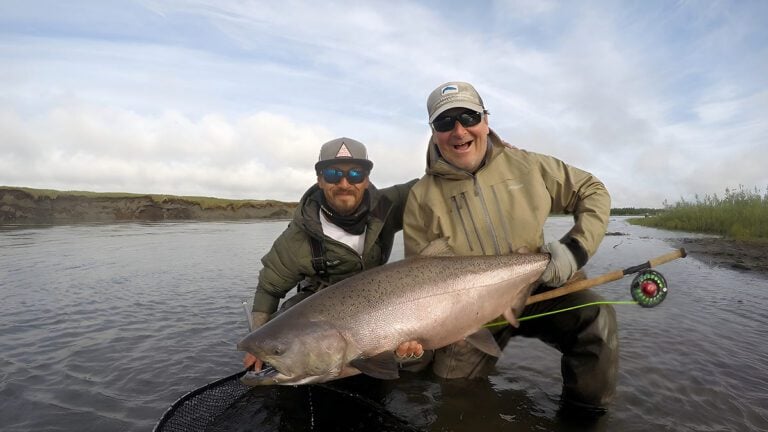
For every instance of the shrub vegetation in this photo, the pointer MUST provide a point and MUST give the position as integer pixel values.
(740, 214)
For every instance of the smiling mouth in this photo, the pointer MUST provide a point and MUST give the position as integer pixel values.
(463, 147)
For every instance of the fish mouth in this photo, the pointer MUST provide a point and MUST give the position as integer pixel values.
(270, 375)
(266, 376)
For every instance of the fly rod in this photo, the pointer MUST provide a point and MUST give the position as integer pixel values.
(651, 287)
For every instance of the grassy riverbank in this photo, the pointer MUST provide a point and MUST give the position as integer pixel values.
(740, 214)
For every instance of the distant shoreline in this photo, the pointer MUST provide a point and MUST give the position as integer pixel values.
(27, 206)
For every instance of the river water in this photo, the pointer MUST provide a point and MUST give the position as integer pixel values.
(102, 327)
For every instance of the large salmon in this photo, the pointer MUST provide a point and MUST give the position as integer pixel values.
(355, 325)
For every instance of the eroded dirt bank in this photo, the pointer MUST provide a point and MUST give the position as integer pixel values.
(21, 207)
(740, 255)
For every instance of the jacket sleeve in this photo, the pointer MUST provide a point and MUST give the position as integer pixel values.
(281, 272)
(398, 195)
(415, 231)
(581, 194)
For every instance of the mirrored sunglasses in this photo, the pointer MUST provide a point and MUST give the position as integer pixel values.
(467, 118)
(353, 176)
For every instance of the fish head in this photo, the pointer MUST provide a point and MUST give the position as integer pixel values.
(295, 352)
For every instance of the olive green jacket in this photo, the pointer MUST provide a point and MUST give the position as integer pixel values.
(503, 206)
(290, 259)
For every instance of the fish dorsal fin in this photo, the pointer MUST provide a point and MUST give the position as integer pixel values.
(381, 366)
(484, 341)
(438, 247)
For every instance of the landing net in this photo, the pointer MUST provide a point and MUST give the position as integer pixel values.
(229, 405)
(196, 410)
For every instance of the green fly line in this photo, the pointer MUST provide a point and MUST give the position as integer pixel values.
(530, 317)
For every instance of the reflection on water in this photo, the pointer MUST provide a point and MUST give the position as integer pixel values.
(102, 327)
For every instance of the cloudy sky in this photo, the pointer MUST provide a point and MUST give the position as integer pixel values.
(232, 99)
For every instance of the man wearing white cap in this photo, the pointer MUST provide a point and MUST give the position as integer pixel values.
(489, 198)
(343, 225)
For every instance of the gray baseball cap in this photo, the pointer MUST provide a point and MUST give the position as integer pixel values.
(454, 94)
(343, 150)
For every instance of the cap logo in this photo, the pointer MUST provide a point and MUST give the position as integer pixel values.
(343, 152)
(449, 89)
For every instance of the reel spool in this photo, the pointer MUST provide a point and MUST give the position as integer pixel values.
(649, 288)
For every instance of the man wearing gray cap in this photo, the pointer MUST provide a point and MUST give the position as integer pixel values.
(489, 198)
(343, 225)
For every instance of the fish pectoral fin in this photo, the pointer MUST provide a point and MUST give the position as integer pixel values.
(509, 315)
(484, 341)
(381, 366)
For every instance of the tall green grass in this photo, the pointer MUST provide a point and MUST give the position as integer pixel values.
(740, 214)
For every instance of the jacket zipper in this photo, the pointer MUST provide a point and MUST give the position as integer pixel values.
(488, 221)
(472, 221)
(463, 223)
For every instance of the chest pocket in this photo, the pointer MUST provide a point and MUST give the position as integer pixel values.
(489, 218)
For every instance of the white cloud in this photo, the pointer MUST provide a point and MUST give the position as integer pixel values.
(259, 155)
(233, 99)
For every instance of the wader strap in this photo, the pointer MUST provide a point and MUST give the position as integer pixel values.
(318, 256)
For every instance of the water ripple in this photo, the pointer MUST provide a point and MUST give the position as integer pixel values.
(103, 326)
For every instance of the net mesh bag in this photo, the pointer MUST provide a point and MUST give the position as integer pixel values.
(196, 410)
(228, 405)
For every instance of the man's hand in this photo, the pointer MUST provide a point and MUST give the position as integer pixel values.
(250, 361)
(258, 319)
(409, 350)
(562, 264)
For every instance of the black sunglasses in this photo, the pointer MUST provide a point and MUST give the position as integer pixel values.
(334, 175)
(467, 118)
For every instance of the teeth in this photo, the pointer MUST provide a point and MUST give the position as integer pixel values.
(266, 370)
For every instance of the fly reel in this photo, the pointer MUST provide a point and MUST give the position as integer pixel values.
(649, 288)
